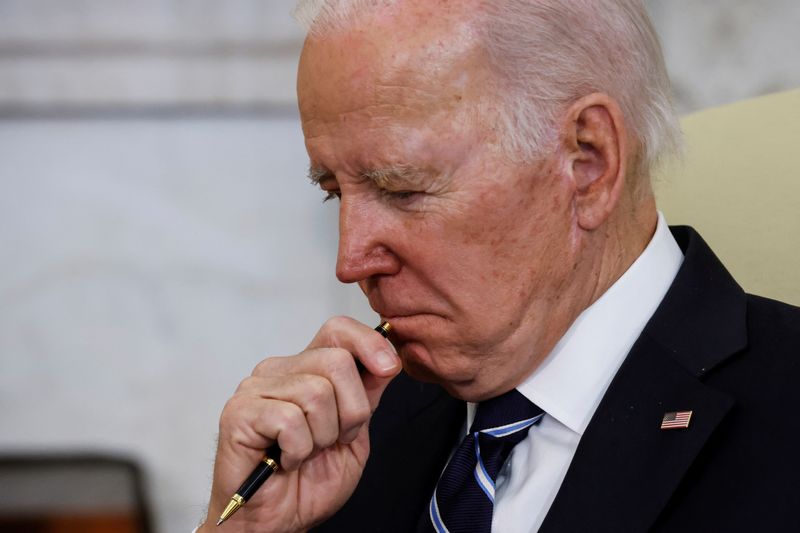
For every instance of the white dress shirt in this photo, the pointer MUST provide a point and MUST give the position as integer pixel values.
(572, 380)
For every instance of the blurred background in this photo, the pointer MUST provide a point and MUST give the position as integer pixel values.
(158, 236)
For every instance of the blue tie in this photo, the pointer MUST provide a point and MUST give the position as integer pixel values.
(463, 500)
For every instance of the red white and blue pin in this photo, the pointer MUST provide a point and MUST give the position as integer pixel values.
(676, 420)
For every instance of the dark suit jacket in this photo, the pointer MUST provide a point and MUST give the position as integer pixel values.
(731, 358)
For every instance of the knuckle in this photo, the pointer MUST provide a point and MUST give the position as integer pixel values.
(319, 392)
(336, 323)
(338, 361)
(289, 417)
(246, 384)
(264, 367)
(294, 434)
(232, 406)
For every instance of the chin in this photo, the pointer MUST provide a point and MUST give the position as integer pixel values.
(418, 363)
(420, 372)
(456, 374)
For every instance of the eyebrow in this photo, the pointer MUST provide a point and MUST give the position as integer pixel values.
(382, 177)
(402, 173)
(317, 174)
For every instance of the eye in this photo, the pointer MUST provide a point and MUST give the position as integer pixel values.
(399, 195)
(403, 195)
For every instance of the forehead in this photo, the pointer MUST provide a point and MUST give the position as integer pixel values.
(399, 61)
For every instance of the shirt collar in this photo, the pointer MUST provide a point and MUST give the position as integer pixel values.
(569, 384)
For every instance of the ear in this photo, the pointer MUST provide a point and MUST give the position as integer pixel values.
(595, 139)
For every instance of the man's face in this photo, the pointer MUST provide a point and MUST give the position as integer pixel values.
(467, 255)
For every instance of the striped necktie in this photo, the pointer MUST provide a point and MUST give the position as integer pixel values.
(463, 500)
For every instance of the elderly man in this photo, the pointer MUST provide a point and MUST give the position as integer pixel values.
(564, 362)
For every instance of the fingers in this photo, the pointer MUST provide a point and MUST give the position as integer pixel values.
(313, 395)
(338, 367)
(370, 347)
(377, 355)
(317, 398)
(354, 341)
(269, 421)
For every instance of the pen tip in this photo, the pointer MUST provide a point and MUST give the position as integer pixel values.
(219, 521)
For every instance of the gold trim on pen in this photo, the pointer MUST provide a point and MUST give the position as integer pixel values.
(385, 328)
(233, 506)
(271, 463)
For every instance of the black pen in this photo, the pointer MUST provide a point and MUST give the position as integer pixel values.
(271, 461)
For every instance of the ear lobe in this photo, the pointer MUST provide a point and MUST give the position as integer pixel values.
(596, 139)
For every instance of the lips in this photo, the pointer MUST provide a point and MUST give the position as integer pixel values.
(394, 310)
(389, 308)
(402, 325)
(404, 321)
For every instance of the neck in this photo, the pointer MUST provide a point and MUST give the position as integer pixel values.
(618, 243)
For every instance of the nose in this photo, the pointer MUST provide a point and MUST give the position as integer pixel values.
(364, 234)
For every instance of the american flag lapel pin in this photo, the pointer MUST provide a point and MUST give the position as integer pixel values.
(676, 420)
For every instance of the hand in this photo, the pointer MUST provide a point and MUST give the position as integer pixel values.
(317, 407)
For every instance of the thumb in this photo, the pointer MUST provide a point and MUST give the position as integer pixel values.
(375, 385)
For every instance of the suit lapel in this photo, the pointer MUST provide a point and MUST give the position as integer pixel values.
(424, 429)
(626, 468)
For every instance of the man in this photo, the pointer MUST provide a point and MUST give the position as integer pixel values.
(491, 160)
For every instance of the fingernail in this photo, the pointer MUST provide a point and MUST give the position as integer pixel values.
(385, 360)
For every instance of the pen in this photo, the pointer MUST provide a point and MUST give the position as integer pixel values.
(271, 461)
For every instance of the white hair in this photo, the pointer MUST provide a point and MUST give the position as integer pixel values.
(546, 54)
(320, 16)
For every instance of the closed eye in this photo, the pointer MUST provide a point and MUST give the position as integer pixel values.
(399, 195)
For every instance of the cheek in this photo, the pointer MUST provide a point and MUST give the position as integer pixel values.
(504, 223)
(516, 239)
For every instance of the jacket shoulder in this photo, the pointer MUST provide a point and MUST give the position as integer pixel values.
(768, 316)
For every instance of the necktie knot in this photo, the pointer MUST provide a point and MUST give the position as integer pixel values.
(505, 415)
(500, 424)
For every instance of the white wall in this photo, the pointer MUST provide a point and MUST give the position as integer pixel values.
(148, 52)
(722, 51)
(242, 53)
(146, 267)
(146, 264)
